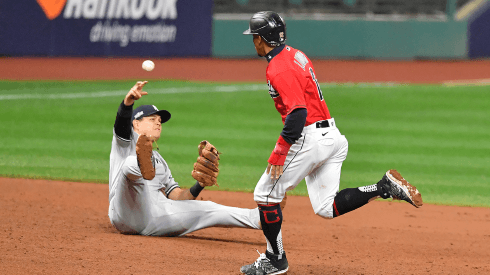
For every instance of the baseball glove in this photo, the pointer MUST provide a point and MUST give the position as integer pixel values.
(206, 169)
(144, 148)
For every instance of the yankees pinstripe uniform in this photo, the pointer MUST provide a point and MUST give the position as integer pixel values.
(140, 206)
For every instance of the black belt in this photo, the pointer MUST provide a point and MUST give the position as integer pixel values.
(322, 124)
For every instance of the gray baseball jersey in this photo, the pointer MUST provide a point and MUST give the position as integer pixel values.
(139, 206)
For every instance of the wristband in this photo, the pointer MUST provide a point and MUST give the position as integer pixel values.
(280, 152)
(196, 189)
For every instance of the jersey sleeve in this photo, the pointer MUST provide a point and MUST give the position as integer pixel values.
(163, 180)
(131, 169)
(170, 186)
(121, 148)
(168, 182)
(289, 87)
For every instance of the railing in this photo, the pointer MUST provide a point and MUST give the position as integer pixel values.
(411, 8)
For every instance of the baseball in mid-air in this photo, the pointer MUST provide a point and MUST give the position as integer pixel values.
(148, 65)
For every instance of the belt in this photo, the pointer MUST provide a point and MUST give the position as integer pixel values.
(325, 123)
(329, 123)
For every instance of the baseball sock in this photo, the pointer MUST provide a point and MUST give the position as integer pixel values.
(352, 198)
(271, 220)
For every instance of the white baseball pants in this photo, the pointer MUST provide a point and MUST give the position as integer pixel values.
(316, 157)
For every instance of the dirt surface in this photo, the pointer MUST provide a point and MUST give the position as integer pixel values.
(226, 70)
(52, 227)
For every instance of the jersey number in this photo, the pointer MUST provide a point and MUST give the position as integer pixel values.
(320, 94)
(302, 61)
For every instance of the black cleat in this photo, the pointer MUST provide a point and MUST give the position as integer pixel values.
(393, 185)
(267, 264)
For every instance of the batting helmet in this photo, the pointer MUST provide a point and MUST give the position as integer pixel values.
(270, 26)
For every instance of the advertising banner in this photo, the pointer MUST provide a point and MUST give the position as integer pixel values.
(479, 33)
(106, 27)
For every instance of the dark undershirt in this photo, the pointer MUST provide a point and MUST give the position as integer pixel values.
(122, 126)
(294, 124)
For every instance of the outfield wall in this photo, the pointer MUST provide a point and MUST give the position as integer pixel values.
(353, 39)
(479, 32)
(106, 28)
(178, 28)
(462, 34)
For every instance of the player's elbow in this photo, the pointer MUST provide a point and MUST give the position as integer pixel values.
(131, 169)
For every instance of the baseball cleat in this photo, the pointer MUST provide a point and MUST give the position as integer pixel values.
(393, 185)
(144, 148)
(267, 264)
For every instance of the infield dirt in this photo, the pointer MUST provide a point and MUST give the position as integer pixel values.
(53, 227)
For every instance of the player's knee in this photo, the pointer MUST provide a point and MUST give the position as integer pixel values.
(260, 199)
(265, 198)
(325, 212)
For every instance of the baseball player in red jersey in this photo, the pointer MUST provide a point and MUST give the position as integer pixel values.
(309, 147)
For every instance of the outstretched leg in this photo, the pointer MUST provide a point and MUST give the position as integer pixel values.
(177, 218)
(392, 185)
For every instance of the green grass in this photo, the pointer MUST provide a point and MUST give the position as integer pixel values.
(437, 137)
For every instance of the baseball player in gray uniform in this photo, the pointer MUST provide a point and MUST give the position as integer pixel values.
(157, 206)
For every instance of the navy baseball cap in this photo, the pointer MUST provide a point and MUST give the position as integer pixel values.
(147, 110)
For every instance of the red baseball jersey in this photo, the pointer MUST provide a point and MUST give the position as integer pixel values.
(293, 84)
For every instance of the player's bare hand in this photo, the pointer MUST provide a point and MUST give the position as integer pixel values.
(274, 170)
(135, 93)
